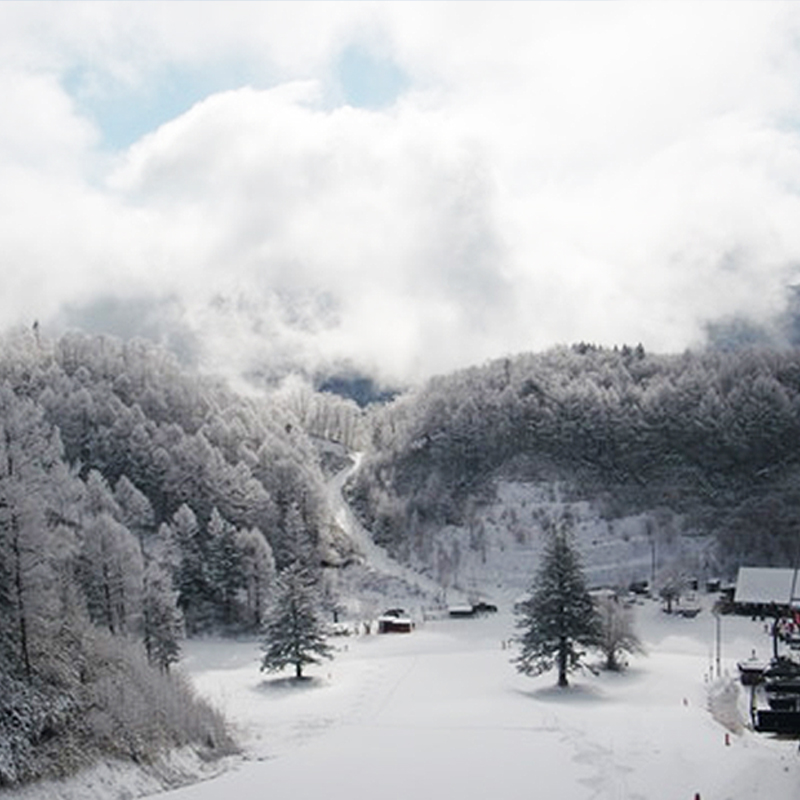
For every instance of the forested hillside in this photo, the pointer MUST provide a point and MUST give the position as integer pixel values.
(710, 436)
(137, 504)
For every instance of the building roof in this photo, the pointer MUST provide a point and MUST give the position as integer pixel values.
(762, 585)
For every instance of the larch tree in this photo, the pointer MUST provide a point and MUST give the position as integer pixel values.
(258, 573)
(99, 499)
(559, 619)
(296, 543)
(162, 620)
(111, 572)
(192, 582)
(225, 564)
(294, 631)
(34, 539)
(136, 511)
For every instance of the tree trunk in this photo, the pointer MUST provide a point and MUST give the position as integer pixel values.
(562, 662)
(22, 619)
(298, 670)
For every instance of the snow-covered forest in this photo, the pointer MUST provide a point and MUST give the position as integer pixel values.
(138, 505)
(141, 504)
(705, 443)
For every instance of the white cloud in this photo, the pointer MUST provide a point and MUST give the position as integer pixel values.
(555, 172)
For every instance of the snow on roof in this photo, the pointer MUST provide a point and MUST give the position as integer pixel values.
(767, 585)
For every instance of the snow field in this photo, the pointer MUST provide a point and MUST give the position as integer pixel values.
(442, 713)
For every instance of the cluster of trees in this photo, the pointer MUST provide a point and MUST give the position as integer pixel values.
(77, 597)
(184, 478)
(137, 505)
(712, 436)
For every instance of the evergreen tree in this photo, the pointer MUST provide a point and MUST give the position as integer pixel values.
(559, 618)
(192, 579)
(225, 565)
(294, 632)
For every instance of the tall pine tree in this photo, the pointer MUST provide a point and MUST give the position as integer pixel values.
(559, 618)
(294, 632)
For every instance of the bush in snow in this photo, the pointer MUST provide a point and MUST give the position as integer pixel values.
(110, 702)
(617, 635)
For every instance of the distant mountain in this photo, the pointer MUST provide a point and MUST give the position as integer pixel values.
(351, 385)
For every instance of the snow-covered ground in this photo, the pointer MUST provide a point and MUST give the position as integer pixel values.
(442, 713)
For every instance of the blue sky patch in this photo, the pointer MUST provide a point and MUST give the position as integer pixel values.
(125, 113)
(369, 81)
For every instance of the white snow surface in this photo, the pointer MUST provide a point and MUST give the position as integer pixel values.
(442, 712)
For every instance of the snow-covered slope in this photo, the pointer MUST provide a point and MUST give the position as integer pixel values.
(500, 545)
(375, 580)
(495, 553)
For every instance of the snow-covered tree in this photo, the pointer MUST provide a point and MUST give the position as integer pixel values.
(294, 631)
(671, 583)
(225, 564)
(192, 571)
(617, 634)
(99, 498)
(258, 573)
(296, 543)
(162, 620)
(559, 618)
(111, 568)
(35, 537)
(165, 549)
(136, 510)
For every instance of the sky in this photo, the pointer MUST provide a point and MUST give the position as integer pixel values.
(401, 188)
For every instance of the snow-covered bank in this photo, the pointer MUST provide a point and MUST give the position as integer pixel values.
(110, 780)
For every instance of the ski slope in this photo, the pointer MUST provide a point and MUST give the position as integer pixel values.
(442, 713)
